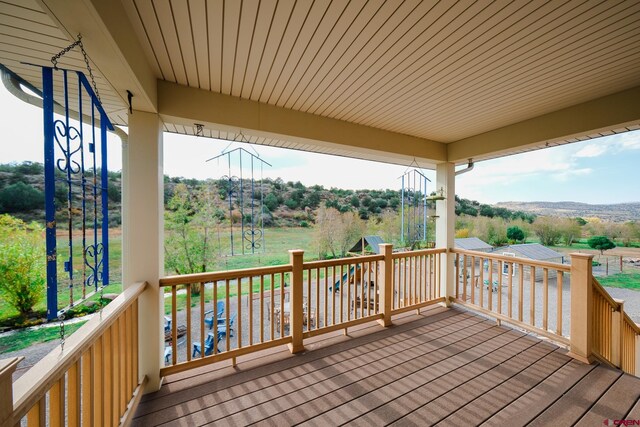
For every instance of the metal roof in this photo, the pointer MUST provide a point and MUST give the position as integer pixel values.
(530, 250)
(373, 241)
(472, 244)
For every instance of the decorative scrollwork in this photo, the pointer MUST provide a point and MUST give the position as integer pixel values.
(93, 255)
(252, 238)
(62, 133)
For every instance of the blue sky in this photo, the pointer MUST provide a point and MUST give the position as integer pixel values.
(605, 170)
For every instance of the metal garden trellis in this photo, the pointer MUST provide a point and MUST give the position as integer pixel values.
(65, 148)
(413, 222)
(252, 237)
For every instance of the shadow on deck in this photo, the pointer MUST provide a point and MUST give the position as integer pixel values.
(445, 366)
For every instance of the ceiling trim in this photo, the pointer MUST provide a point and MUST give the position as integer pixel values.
(619, 110)
(185, 106)
(111, 44)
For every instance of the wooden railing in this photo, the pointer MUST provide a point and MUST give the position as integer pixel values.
(529, 294)
(271, 306)
(615, 335)
(416, 279)
(253, 302)
(93, 380)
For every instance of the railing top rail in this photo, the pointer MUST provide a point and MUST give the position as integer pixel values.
(30, 387)
(341, 261)
(223, 275)
(528, 262)
(420, 252)
(603, 292)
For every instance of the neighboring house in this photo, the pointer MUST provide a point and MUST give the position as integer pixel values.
(472, 244)
(532, 251)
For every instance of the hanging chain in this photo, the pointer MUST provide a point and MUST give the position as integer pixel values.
(54, 61)
(62, 335)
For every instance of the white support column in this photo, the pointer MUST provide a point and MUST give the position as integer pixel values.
(445, 225)
(143, 237)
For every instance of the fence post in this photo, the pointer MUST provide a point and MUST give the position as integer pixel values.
(296, 301)
(7, 367)
(386, 290)
(617, 326)
(581, 307)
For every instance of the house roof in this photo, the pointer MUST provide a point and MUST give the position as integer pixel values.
(373, 241)
(391, 81)
(534, 251)
(472, 244)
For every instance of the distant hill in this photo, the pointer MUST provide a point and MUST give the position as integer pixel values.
(619, 212)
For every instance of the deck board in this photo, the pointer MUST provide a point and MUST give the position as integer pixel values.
(445, 366)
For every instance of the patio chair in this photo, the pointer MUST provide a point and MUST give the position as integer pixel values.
(220, 316)
(208, 346)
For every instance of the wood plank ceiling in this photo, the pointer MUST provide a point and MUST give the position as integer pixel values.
(440, 70)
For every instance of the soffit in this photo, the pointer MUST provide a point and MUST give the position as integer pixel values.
(438, 70)
(29, 36)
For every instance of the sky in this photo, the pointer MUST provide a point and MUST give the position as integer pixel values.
(600, 171)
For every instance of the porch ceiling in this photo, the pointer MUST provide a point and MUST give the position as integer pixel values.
(446, 80)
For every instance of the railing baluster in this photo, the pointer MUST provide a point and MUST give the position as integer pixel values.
(111, 389)
(559, 306)
(473, 280)
(227, 309)
(56, 404)
(532, 297)
(36, 416)
(250, 310)
(500, 266)
(262, 308)
(238, 321)
(510, 290)
(481, 284)
(87, 402)
(74, 395)
(520, 291)
(272, 306)
(282, 295)
(122, 368)
(174, 325)
(97, 382)
(202, 324)
(214, 289)
(188, 309)
(490, 285)
(545, 299)
(308, 313)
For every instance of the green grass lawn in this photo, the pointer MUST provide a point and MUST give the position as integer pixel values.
(622, 280)
(27, 337)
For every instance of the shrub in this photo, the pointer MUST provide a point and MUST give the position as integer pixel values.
(22, 281)
(20, 197)
(601, 243)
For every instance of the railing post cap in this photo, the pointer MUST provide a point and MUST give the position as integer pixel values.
(296, 251)
(581, 255)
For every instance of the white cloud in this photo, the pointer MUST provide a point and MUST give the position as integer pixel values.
(564, 176)
(592, 150)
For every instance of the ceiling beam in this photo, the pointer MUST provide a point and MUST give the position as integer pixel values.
(111, 44)
(609, 112)
(185, 106)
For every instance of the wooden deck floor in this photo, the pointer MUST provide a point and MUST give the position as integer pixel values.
(444, 367)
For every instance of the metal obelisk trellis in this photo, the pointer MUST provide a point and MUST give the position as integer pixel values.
(252, 230)
(413, 211)
(75, 154)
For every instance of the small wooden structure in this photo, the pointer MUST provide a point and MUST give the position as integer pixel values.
(373, 242)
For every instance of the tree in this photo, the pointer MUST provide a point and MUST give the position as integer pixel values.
(350, 230)
(601, 243)
(271, 202)
(22, 281)
(547, 231)
(515, 233)
(569, 230)
(191, 220)
(20, 197)
(327, 224)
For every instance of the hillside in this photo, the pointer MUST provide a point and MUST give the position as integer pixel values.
(286, 203)
(620, 212)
